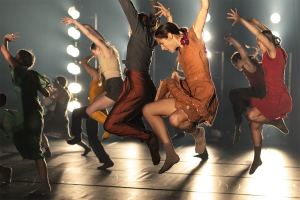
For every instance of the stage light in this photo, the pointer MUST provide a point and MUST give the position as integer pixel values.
(208, 54)
(75, 14)
(74, 33)
(72, 105)
(73, 51)
(73, 69)
(275, 18)
(276, 33)
(206, 36)
(208, 18)
(74, 88)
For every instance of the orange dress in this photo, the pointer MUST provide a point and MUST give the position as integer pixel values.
(196, 95)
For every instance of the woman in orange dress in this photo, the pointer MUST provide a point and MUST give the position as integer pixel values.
(192, 102)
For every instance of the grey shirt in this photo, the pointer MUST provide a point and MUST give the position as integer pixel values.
(141, 43)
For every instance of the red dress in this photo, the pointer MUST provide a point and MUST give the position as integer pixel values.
(277, 102)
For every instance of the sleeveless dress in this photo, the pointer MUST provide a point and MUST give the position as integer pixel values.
(196, 95)
(277, 103)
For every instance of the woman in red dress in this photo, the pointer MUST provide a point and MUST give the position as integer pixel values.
(277, 103)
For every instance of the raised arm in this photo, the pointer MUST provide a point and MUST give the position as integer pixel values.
(201, 18)
(258, 24)
(163, 11)
(89, 69)
(130, 12)
(243, 52)
(236, 18)
(5, 52)
(92, 34)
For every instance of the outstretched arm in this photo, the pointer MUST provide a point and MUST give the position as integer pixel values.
(201, 18)
(90, 70)
(163, 11)
(130, 12)
(5, 52)
(244, 54)
(92, 34)
(258, 24)
(236, 18)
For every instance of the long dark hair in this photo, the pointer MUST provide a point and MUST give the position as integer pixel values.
(272, 38)
(163, 30)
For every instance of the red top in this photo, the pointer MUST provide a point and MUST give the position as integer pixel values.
(277, 102)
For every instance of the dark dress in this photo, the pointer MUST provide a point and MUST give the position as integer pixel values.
(27, 136)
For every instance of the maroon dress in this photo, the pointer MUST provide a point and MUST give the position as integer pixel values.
(277, 102)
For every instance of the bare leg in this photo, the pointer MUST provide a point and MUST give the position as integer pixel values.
(153, 112)
(45, 144)
(45, 188)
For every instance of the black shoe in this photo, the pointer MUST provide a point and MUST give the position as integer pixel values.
(73, 141)
(86, 151)
(106, 165)
(153, 146)
(203, 156)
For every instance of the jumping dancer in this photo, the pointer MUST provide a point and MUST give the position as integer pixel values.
(125, 119)
(194, 101)
(277, 103)
(109, 65)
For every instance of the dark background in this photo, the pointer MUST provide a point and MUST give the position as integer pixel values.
(38, 22)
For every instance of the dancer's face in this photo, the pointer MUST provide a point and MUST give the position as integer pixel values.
(168, 44)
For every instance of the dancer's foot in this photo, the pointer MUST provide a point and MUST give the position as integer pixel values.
(7, 175)
(105, 135)
(200, 141)
(169, 162)
(47, 153)
(86, 151)
(75, 140)
(41, 191)
(280, 125)
(203, 156)
(236, 135)
(106, 165)
(256, 163)
(153, 146)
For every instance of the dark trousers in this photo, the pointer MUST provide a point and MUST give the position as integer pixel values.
(240, 100)
(125, 119)
(91, 130)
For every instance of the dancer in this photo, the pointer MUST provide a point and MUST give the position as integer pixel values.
(194, 101)
(97, 86)
(7, 121)
(109, 66)
(28, 82)
(125, 119)
(57, 121)
(277, 103)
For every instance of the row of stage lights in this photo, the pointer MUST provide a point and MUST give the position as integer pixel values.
(72, 67)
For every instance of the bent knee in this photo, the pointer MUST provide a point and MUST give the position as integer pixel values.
(174, 121)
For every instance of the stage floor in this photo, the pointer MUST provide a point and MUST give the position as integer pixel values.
(223, 176)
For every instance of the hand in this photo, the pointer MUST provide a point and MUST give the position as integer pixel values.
(162, 11)
(86, 59)
(68, 20)
(228, 38)
(234, 16)
(11, 37)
